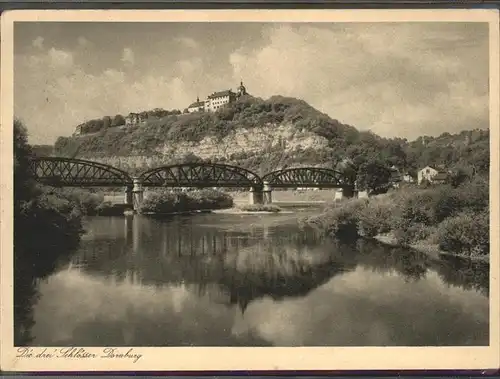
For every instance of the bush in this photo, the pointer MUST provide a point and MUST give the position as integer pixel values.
(413, 233)
(170, 202)
(475, 194)
(414, 208)
(45, 229)
(447, 202)
(341, 221)
(87, 201)
(466, 233)
(375, 217)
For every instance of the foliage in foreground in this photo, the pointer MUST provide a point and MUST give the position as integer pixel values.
(46, 225)
(47, 229)
(457, 219)
(466, 232)
(90, 203)
(171, 202)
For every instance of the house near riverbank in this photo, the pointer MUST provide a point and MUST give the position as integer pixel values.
(432, 175)
(397, 177)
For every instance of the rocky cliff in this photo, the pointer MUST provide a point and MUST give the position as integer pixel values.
(255, 133)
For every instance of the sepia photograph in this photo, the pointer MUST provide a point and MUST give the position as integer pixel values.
(216, 180)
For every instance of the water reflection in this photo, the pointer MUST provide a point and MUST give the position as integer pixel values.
(240, 266)
(232, 281)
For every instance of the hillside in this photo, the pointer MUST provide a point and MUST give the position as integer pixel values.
(263, 135)
(42, 150)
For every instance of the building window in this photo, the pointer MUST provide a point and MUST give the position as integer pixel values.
(427, 171)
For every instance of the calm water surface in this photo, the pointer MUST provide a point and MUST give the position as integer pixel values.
(253, 280)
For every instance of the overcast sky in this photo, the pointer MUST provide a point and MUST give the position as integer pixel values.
(396, 79)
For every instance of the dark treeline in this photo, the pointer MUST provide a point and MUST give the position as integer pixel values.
(47, 230)
(96, 125)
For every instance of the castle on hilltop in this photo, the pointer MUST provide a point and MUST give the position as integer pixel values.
(217, 100)
(213, 102)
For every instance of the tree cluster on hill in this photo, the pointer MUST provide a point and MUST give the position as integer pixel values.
(100, 124)
(42, 150)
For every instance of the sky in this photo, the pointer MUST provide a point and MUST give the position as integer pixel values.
(395, 79)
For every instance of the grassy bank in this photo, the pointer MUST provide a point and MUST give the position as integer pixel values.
(438, 219)
(167, 202)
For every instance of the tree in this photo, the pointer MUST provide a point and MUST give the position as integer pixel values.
(118, 120)
(373, 176)
(23, 181)
(106, 122)
(458, 176)
(47, 229)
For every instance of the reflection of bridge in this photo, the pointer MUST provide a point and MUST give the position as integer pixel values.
(71, 172)
(229, 266)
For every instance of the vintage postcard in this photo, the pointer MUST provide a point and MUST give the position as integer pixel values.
(249, 190)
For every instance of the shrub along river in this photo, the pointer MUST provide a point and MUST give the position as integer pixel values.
(253, 280)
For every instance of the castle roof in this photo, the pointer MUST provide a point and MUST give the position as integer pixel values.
(227, 92)
(197, 104)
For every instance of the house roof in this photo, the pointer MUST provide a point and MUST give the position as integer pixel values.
(197, 104)
(440, 176)
(227, 92)
(396, 176)
(434, 168)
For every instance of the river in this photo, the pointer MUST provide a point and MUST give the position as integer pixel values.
(253, 280)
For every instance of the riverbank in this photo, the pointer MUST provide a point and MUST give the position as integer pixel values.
(438, 221)
(292, 196)
(239, 211)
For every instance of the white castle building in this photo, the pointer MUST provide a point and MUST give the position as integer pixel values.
(217, 100)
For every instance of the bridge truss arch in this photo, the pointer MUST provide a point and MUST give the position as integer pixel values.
(70, 172)
(200, 175)
(307, 177)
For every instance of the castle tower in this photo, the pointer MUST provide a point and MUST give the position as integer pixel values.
(241, 89)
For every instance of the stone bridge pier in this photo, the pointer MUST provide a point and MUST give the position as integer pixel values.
(261, 195)
(137, 193)
(129, 200)
(344, 192)
(134, 194)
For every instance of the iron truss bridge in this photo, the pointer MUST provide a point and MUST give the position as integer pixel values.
(69, 172)
(200, 175)
(307, 177)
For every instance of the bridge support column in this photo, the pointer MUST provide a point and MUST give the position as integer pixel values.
(137, 193)
(256, 196)
(339, 194)
(267, 193)
(129, 196)
(348, 191)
